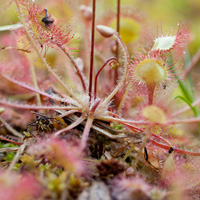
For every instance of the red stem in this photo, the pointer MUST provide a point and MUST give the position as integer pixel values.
(163, 146)
(96, 77)
(11, 139)
(118, 25)
(78, 71)
(92, 48)
(161, 138)
(117, 45)
(151, 88)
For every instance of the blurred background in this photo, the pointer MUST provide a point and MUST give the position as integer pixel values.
(169, 12)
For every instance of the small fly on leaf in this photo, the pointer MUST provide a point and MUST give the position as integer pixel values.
(46, 19)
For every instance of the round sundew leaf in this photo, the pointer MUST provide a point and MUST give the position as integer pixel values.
(150, 71)
(154, 114)
(164, 43)
(130, 29)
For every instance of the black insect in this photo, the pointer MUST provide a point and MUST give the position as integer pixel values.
(164, 87)
(146, 157)
(46, 19)
(171, 150)
(42, 123)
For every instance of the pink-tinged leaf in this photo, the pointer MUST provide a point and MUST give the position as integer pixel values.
(18, 187)
(60, 153)
(53, 96)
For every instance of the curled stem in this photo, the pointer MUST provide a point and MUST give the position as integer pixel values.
(96, 77)
(126, 64)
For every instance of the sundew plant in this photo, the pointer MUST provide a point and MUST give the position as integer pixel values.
(97, 101)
